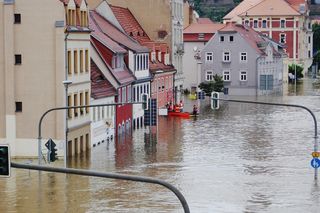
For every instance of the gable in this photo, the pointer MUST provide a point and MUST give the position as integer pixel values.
(270, 8)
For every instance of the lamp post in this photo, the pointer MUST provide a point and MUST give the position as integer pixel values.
(66, 85)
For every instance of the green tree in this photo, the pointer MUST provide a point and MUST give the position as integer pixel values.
(298, 68)
(215, 85)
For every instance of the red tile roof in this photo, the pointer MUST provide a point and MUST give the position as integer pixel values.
(203, 28)
(204, 21)
(123, 76)
(116, 35)
(271, 8)
(129, 23)
(265, 7)
(100, 86)
(132, 27)
(104, 39)
(251, 36)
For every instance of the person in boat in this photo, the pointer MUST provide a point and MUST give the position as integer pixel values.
(195, 110)
(180, 106)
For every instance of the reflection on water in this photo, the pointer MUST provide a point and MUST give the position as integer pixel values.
(240, 158)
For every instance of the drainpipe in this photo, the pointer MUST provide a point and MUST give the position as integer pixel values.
(66, 83)
(257, 77)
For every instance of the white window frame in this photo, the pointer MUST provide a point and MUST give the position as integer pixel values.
(247, 23)
(264, 20)
(231, 36)
(246, 57)
(243, 75)
(226, 75)
(209, 77)
(285, 38)
(208, 56)
(255, 21)
(221, 36)
(224, 55)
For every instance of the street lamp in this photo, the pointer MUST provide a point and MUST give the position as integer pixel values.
(66, 84)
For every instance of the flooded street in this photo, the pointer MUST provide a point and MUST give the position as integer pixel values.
(240, 158)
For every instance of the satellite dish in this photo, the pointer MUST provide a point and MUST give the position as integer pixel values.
(195, 48)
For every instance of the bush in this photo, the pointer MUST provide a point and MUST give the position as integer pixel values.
(215, 85)
(298, 68)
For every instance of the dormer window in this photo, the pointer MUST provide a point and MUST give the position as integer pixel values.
(71, 17)
(83, 19)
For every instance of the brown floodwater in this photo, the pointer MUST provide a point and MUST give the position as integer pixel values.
(240, 158)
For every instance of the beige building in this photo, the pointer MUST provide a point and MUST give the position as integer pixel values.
(37, 37)
(163, 21)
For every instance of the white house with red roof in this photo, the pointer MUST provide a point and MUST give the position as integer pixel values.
(136, 58)
(285, 21)
(103, 118)
(250, 63)
(109, 57)
(195, 37)
(161, 70)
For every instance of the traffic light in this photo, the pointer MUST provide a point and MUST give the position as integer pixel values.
(52, 151)
(145, 100)
(214, 100)
(4, 161)
(53, 154)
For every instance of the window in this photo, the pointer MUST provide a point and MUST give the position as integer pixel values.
(17, 18)
(266, 82)
(243, 76)
(87, 60)
(209, 57)
(129, 93)
(282, 23)
(264, 23)
(75, 103)
(75, 61)
(71, 17)
(69, 63)
(87, 101)
(81, 61)
(83, 18)
(201, 36)
(226, 56)
(226, 75)
(81, 103)
(282, 38)
(221, 38)
(309, 54)
(209, 75)
(17, 59)
(123, 96)
(231, 38)
(243, 57)
(309, 39)
(69, 104)
(18, 106)
(255, 24)
(247, 23)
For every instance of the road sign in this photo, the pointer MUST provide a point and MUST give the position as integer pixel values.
(315, 154)
(201, 95)
(315, 163)
(150, 118)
